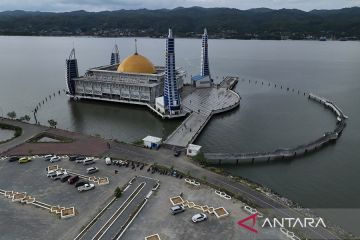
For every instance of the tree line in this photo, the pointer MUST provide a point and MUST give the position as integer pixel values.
(261, 23)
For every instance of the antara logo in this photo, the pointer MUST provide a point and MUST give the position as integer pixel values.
(281, 223)
(294, 222)
(253, 218)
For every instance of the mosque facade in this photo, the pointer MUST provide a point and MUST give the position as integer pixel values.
(134, 80)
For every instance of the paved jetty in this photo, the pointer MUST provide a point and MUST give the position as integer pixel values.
(203, 103)
(327, 138)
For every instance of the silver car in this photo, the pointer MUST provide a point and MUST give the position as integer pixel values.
(92, 170)
(86, 187)
(55, 159)
(177, 209)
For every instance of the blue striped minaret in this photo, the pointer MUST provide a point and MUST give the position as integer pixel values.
(71, 72)
(205, 71)
(115, 57)
(171, 94)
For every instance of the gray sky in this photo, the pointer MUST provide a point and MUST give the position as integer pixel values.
(99, 5)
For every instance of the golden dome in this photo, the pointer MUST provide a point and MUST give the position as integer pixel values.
(136, 64)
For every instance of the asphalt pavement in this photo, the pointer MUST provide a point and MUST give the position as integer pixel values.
(165, 157)
(28, 132)
(114, 219)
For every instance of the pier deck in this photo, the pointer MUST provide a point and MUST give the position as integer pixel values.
(202, 103)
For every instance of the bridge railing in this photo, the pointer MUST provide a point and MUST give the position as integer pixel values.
(329, 137)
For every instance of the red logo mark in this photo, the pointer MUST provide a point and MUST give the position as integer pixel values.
(253, 218)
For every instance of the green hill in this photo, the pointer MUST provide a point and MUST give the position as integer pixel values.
(262, 23)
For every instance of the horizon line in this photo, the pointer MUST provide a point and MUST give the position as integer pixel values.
(171, 9)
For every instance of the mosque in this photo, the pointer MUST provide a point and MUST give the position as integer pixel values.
(135, 80)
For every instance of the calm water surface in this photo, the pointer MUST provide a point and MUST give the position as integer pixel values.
(269, 118)
(6, 134)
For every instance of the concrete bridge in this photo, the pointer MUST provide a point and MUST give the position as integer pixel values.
(281, 154)
(203, 103)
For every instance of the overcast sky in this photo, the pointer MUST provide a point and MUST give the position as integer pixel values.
(99, 5)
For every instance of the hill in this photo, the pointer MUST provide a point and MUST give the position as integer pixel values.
(261, 23)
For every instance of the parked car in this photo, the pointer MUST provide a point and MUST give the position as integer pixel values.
(65, 177)
(80, 159)
(13, 159)
(88, 161)
(108, 161)
(199, 217)
(86, 187)
(73, 158)
(80, 183)
(92, 170)
(55, 159)
(48, 157)
(58, 175)
(24, 160)
(73, 179)
(177, 153)
(177, 209)
(51, 173)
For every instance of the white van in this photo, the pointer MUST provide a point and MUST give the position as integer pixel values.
(108, 161)
(88, 161)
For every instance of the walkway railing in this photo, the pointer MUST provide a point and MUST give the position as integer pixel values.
(327, 138)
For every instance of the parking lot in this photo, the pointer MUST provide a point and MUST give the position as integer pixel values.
(156, 216)
(19, 221)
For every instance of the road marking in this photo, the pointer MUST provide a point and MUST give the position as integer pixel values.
(132, 197)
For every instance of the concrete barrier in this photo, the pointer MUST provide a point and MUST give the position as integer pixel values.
(285, 154)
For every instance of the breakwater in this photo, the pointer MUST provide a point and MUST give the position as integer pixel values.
(287, 153)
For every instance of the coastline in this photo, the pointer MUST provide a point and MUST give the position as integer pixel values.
(215, 179)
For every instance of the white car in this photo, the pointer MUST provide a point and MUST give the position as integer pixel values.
(48, 157)
(55, 159)
(80, 159)
(59, 174)
(56, 174)
(51, 173)
(86, 187)
(199, 217)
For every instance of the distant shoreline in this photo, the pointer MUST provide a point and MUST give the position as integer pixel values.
(180, 37)
(221, 23)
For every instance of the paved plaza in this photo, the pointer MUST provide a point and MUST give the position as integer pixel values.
(202, 104)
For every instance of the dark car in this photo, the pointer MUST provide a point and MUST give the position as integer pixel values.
(177, 153)
(65, 178)
(73, 158)
(13, 159)
(81, 183)
(73, 179)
